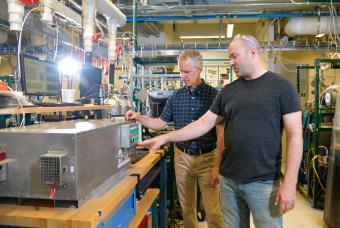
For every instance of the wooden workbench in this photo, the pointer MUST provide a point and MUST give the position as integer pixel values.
(34, 109)
(91, 213)
(145, 165)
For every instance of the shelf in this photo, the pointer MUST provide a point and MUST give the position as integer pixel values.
(326, 127)
(143, 206)
(7, 161)
(16, 110)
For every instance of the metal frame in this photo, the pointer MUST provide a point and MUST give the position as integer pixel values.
(315, 188)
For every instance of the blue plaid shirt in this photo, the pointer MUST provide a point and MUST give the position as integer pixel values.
(184, 107)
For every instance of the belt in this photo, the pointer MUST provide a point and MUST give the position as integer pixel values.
(195, 152)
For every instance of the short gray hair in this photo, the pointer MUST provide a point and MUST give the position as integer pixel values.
(195, 56)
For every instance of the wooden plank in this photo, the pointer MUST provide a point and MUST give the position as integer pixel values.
(17, 110)
(143, 206)
(143, 166)
(86, 216)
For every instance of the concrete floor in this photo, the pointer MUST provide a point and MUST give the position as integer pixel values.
(303, 215)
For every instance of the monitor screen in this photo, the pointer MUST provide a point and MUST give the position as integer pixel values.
(157, 101)
(90, 82)
(40, 78)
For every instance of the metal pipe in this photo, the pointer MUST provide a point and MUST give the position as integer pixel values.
(135, 30)
(78, 7)
(108, 9)
(204, 17)
(88, 24)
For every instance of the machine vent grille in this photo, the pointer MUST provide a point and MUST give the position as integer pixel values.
(52, 170)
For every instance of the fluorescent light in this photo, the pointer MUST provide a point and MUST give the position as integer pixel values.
(320, 35)
(201, 37)
(230, 29)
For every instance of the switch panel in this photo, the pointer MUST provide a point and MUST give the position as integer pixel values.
(129, 135)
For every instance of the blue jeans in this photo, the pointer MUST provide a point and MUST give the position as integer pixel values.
(238, 200)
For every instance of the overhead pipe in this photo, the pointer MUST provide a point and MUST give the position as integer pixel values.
(16, 12)
(115, 18)
(204, 17)
(109, 10)
(312, 26)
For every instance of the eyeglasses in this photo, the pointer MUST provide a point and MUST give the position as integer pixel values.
(246, 38)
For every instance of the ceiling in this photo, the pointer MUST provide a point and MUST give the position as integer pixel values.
(164, 8)
(161, 23)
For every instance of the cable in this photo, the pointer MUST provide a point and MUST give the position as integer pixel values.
(21, 107)
(323, 147)
(56, 45)
(19, 43)
(316, 173)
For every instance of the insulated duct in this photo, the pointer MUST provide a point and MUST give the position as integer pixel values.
(112, 25)
(88, 23)
(115, 18)
(47, 15)
(312, 25)
(16, 14)
(109, 10)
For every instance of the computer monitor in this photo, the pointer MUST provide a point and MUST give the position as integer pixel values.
(157, 101)
(38, 77)
(89, 83)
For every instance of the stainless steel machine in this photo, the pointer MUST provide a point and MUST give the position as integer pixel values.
(332, 196)
(65, 162)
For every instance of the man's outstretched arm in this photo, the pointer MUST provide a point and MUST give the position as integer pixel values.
(191, 131)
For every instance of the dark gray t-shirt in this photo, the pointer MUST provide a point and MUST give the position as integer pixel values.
(252, 111)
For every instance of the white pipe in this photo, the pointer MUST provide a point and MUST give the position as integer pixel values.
(112, 24)
(16, 13)
(88, 24)
(114, 17)
(47, 15)
(109, 10)
(311, 25)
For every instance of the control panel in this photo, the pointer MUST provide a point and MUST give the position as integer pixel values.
(129, 135)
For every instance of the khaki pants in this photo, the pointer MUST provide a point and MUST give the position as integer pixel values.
(189, 170)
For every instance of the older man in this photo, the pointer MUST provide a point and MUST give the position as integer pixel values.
(194, 159)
